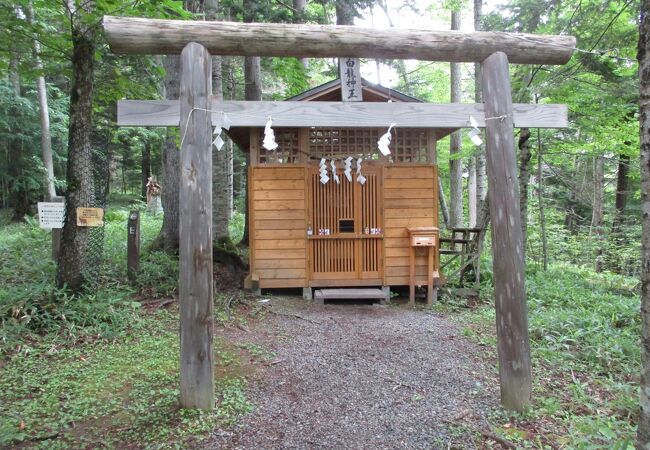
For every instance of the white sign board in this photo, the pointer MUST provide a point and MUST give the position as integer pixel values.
(350, 73)
(50, 215)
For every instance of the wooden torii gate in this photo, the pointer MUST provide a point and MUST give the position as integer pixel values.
(195, 111)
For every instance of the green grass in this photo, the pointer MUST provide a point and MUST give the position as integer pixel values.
(32, 309)
(116, 394)
(94, 370)
(584, 331)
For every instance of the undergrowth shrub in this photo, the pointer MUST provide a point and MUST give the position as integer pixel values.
(585, 320)
(31, 306)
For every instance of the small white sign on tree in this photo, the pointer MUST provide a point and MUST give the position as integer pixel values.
(50, 214)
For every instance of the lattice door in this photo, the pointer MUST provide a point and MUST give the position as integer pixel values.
(347, 227)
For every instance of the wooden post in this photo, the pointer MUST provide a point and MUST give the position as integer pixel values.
(196, 278)
(56, 233)
(411, 274)
(133, 246)
(507, 241)
(430, 294)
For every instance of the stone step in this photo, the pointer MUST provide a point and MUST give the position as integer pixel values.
(320, 295)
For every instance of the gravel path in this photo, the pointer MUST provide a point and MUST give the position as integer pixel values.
(362, 376)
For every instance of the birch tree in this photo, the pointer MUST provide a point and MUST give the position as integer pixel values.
(455, 162)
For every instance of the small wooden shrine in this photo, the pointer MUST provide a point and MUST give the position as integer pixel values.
(352, 230)
(276, 180)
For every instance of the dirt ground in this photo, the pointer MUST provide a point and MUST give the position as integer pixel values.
(350, 376)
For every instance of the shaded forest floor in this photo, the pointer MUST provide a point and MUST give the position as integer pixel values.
(101, 369)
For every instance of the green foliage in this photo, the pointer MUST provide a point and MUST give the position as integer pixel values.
(97, 394)
(31, 307)
(584, 331)
(236, 226)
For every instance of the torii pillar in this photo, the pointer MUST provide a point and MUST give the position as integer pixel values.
(195, 230)
(513, 346)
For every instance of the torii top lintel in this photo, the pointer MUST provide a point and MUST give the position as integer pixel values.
(130, 35)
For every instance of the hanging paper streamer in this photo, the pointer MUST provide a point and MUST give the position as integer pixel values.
(334, 175)
(218, 141)
(222, 123)
(269, 137)
(348, 168)
(322, 169)
(360, 178)
(384, 141)
(475, 133)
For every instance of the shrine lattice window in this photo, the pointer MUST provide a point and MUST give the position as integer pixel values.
(288, 151)
(408, 145)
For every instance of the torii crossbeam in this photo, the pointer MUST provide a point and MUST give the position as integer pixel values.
(195, 40)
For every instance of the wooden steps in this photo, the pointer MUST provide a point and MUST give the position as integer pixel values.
(383, 295)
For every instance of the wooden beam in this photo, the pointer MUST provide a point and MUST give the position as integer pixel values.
(165, 113)
(195, 243)
(507, 241)
(157, 36)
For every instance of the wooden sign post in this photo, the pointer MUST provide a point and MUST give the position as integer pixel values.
(133, 246)
(195, 245)
(507, 240)
(350, 76)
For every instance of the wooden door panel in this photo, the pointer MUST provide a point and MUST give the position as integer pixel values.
(349, 212)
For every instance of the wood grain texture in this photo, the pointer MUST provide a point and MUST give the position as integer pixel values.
(133, 246)
(278, 206)
(507, 239)
(410, 200)
(156, 36)
(165, 113)
(195, 246)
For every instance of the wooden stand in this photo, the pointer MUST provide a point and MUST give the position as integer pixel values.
(460, 245)
(423, 237)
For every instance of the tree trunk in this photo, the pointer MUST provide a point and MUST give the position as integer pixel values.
(443, 204)
(622, 188)
(540, 202)
(221, 171)
(18, 195)
(572, 201)
(253, 92)
(345, 13)
(299, 7)
(524, 177)
(146, 168)
(643, 430)
(455, 162)
(46, 139)
(471, 192)
(479, 157)
(597, 213)
(79, 177)
(168, 237)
